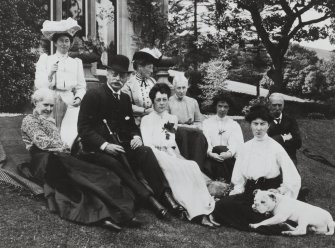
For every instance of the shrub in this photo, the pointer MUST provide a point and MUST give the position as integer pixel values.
(20, 22)
(214, 74)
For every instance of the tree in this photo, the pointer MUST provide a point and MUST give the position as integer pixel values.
(248, 64)
(20, 24)
(186, 38)
(305, 75)
(329, 72)
(214, 74)
(278, 22)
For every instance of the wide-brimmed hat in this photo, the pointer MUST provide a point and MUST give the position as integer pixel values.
(68, 26)
(150, 55)
(118, 63)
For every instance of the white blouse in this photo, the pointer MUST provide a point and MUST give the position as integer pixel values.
(154, 135)
(265, 158)
(69, 79)
(223, 132)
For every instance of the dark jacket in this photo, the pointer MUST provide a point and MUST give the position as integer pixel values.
(287, 125)
(99, 104)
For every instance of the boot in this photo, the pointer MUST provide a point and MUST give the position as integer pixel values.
(171, 202)
(160, 210)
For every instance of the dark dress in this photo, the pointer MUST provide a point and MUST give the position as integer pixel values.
(76, 190)
(236, 211)
(261, 164)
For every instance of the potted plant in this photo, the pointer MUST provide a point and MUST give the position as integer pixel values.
(88, 49)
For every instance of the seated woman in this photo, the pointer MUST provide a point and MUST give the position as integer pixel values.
(262, 163)
(224, 136)
(76, 190)
(184, 176)
(189, 137)
(185, 108)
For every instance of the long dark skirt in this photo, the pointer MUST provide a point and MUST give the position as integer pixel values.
(218, 170)
(192, 144)
(80, 191)
(236, 210)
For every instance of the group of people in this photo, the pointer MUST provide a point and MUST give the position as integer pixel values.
(129, 156)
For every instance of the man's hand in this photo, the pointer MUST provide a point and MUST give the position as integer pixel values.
(287, 137)
(76, 102)
(114, 149)
(216, 157)
(148, 111)
(136, 142)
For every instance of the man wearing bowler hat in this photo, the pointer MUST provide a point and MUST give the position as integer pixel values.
(106, 107)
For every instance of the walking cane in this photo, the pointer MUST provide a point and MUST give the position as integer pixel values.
(161, 211)
(115, 141)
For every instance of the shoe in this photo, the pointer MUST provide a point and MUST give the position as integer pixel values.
(176, 208)
(211, 219)
(111, 226)
(161, 212)
(134, 223)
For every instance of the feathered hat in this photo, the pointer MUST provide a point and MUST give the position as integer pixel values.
(69, 26)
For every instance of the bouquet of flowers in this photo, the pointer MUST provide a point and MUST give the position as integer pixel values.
(169, 128)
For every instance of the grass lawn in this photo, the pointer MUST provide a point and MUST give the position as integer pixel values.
(26, 222)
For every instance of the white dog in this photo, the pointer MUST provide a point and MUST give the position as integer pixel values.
(285, 208)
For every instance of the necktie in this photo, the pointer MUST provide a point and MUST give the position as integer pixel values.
(143, 83)
(116, 96)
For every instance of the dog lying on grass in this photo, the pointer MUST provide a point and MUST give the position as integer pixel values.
(283, 208)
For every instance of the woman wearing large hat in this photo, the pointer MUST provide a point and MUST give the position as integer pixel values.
(140, 84)
(62, 74)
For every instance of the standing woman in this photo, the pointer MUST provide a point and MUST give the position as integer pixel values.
(140, 84)
(64, 75)
(261, 163)
(184, 176)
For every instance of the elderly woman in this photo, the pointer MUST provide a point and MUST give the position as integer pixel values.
(76, 190)
(262, 163)
(140, 84)
(64, 75)
(184, 176)
(184, 107)
(224, 137)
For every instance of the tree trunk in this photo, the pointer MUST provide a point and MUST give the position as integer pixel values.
(276, 74)
(195, 31)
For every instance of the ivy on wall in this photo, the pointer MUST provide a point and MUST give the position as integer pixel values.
(150, 23)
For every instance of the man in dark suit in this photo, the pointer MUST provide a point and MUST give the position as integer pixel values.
(284, 129)
(108, 103)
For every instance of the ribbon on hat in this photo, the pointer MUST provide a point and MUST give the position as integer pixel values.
(154, 52)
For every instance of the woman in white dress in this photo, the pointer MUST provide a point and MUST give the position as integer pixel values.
(261, 163)
(184, 176)
(64, 75)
